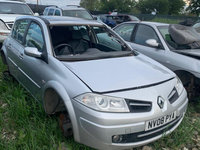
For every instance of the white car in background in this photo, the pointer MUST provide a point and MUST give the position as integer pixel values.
(9, 10)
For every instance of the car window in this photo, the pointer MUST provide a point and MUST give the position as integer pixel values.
(145, 33)
(14, 8)
(57, 12)
(51, 11)
(45, 11)
(106, 39)
(19, 30)
(125, 31)
(34, 37)
(78, 13)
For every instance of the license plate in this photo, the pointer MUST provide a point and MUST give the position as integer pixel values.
(160, 121)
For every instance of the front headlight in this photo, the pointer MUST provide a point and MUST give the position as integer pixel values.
(3, 26)
(103, 103)
(179, 86)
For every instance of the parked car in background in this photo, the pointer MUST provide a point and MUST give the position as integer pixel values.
(69, 10)
(153, 39)
(9, 10)
(120, 18)
(197, 27)
(108, 19)
(107, 95)
(113, 19)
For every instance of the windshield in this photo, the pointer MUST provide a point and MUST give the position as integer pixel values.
(14, 8)
(77, 13)
(75, 43)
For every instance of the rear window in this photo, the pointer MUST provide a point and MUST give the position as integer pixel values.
(78, 13)
(14, 8)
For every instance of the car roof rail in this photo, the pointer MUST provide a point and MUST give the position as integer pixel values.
(53, 6)
(73, 6)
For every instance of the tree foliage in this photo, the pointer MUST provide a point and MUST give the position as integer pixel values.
(90, 4)
(175, 6)
(144, 6)
(118, 5)
(194, 7)
(148, 6)
(161, 6)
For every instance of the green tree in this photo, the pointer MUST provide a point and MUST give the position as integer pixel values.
(148, 6)
(175, 6)
(194, 7)
(90, 4)
(117, 5)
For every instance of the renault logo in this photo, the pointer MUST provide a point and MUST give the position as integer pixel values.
(160, 102)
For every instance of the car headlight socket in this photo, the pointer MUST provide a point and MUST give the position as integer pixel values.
(103, 103)
(179, 86)
(3, 26)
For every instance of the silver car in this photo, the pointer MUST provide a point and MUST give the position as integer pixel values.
(107, 95)
(9, 10)
(153, 40)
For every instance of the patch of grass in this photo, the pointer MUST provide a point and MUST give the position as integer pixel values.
(25, 126)
(163, 20)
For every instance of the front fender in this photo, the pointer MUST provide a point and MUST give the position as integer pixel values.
(61, 91)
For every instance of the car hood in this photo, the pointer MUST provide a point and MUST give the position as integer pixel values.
(109, 75)
(9, 17)
(190, 52)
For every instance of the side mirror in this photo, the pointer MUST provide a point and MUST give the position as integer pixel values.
(36, 14)
(152, 43)
(33, 52)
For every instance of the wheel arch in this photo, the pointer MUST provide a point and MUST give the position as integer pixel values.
(185, 76)
(3, 56)
(54, 86)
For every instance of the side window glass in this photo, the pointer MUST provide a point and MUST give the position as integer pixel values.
(145, 33)
(34, 37)
(51, 11)
(106, 39)
(125, 31)
(19, 30)
(45, 11)
(57, 12)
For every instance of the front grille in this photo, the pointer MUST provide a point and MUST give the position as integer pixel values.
(145, 135)
(137, 106)
(173, 96)
(9, 25)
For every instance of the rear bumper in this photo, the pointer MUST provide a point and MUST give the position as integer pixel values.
(95, 131)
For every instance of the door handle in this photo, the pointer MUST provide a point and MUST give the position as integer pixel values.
(21, 55)
(9, 46)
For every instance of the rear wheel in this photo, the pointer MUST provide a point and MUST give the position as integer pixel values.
(65, 124)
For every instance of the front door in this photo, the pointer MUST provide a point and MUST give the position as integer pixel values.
(141, 35)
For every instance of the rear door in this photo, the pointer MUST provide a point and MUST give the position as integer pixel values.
(14, 45)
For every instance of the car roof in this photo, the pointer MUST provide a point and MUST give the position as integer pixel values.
(62, 20)
(7, 1)
(68, 7)
(154, 23)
